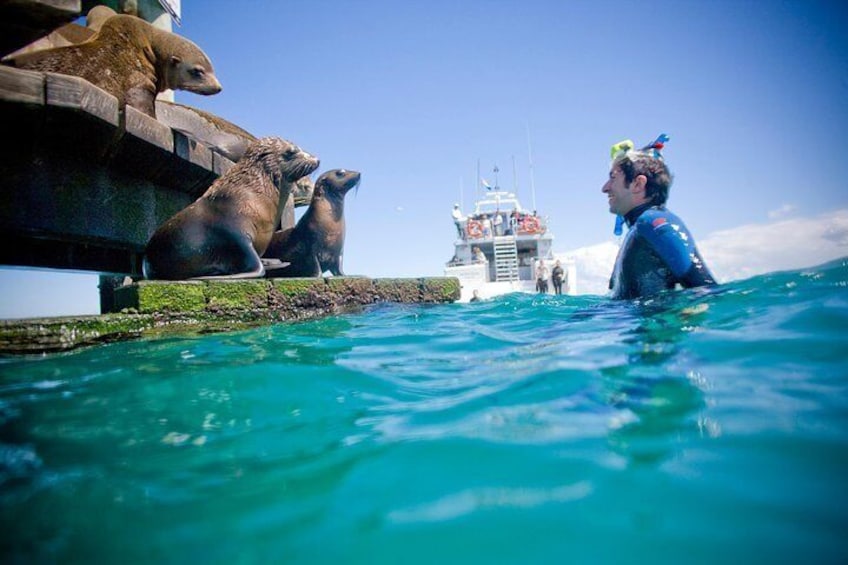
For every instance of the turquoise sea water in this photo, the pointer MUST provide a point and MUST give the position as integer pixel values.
(702, 427)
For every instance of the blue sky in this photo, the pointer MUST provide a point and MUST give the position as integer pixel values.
(754, 95)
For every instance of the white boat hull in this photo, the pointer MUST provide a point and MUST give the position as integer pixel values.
(474, 277)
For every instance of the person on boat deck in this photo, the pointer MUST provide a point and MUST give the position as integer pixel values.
(542, 277)
(513, 221)
(658, 252)
(458, 219)
(558, 275)
(478, 256)
(497, 222)
(487, 226)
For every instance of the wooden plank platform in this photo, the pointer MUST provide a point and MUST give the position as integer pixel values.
(85, 183)
(24, 21)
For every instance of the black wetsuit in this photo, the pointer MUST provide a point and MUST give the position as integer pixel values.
(657, 254)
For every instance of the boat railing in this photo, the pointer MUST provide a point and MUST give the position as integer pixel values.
(482, 227)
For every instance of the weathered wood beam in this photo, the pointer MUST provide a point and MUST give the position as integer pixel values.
(84, 183)
(24, 21)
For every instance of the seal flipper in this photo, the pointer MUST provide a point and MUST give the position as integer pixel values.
(274, 268)
(140, 97)
(335, 266)
(251, 267)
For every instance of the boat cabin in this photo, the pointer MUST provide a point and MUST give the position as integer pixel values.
(504, 236)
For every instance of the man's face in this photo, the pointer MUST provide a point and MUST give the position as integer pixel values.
(619, 194)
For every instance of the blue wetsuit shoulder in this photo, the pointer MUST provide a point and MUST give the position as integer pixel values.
(658, 253)
(667, 234)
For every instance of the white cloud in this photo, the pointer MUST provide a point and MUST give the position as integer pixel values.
(781, 212)
(741, 252)
(754, 249)
(594, 266)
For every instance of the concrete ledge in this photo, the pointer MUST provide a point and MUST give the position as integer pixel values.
(153, 308)
(279, 298)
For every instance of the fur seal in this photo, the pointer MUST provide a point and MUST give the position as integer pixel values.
(302, 192)
(221, 136)
(97, 16)
(214, 132)
(315, 244)
(132, 60)
(224, 233)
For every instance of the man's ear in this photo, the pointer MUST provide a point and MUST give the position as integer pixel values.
(638, 185)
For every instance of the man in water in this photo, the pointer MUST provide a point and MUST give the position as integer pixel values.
(558, 276)
(658, 253)
(542, 277)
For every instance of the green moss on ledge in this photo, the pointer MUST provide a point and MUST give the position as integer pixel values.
(236, 295)
(296, 287)
(41, 335)
(162, 296)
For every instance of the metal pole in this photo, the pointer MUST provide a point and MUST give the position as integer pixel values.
(532, 180)
(514, 177)
(477, 184)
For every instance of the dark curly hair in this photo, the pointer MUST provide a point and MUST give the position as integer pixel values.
(636, 163)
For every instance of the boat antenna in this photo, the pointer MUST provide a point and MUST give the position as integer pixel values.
(477, 184)
(514, 177)
(530, 158)
(496, 170)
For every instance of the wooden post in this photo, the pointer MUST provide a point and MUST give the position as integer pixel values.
(107, 286)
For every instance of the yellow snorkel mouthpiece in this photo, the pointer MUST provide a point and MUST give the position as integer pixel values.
(620, 148)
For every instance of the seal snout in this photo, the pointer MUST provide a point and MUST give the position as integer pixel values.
(215, 87)
(203, 82)
(348, 179)
(304, 165)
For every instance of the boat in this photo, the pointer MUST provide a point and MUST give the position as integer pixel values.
(498, 247)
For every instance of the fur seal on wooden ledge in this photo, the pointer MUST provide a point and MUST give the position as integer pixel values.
(97, 16)
(214, 132)
(224, 233)
(131, 60)
(315, 244)
(221, 136)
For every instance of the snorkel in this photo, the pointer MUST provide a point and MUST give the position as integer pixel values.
(621, 149)
(617, 151)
